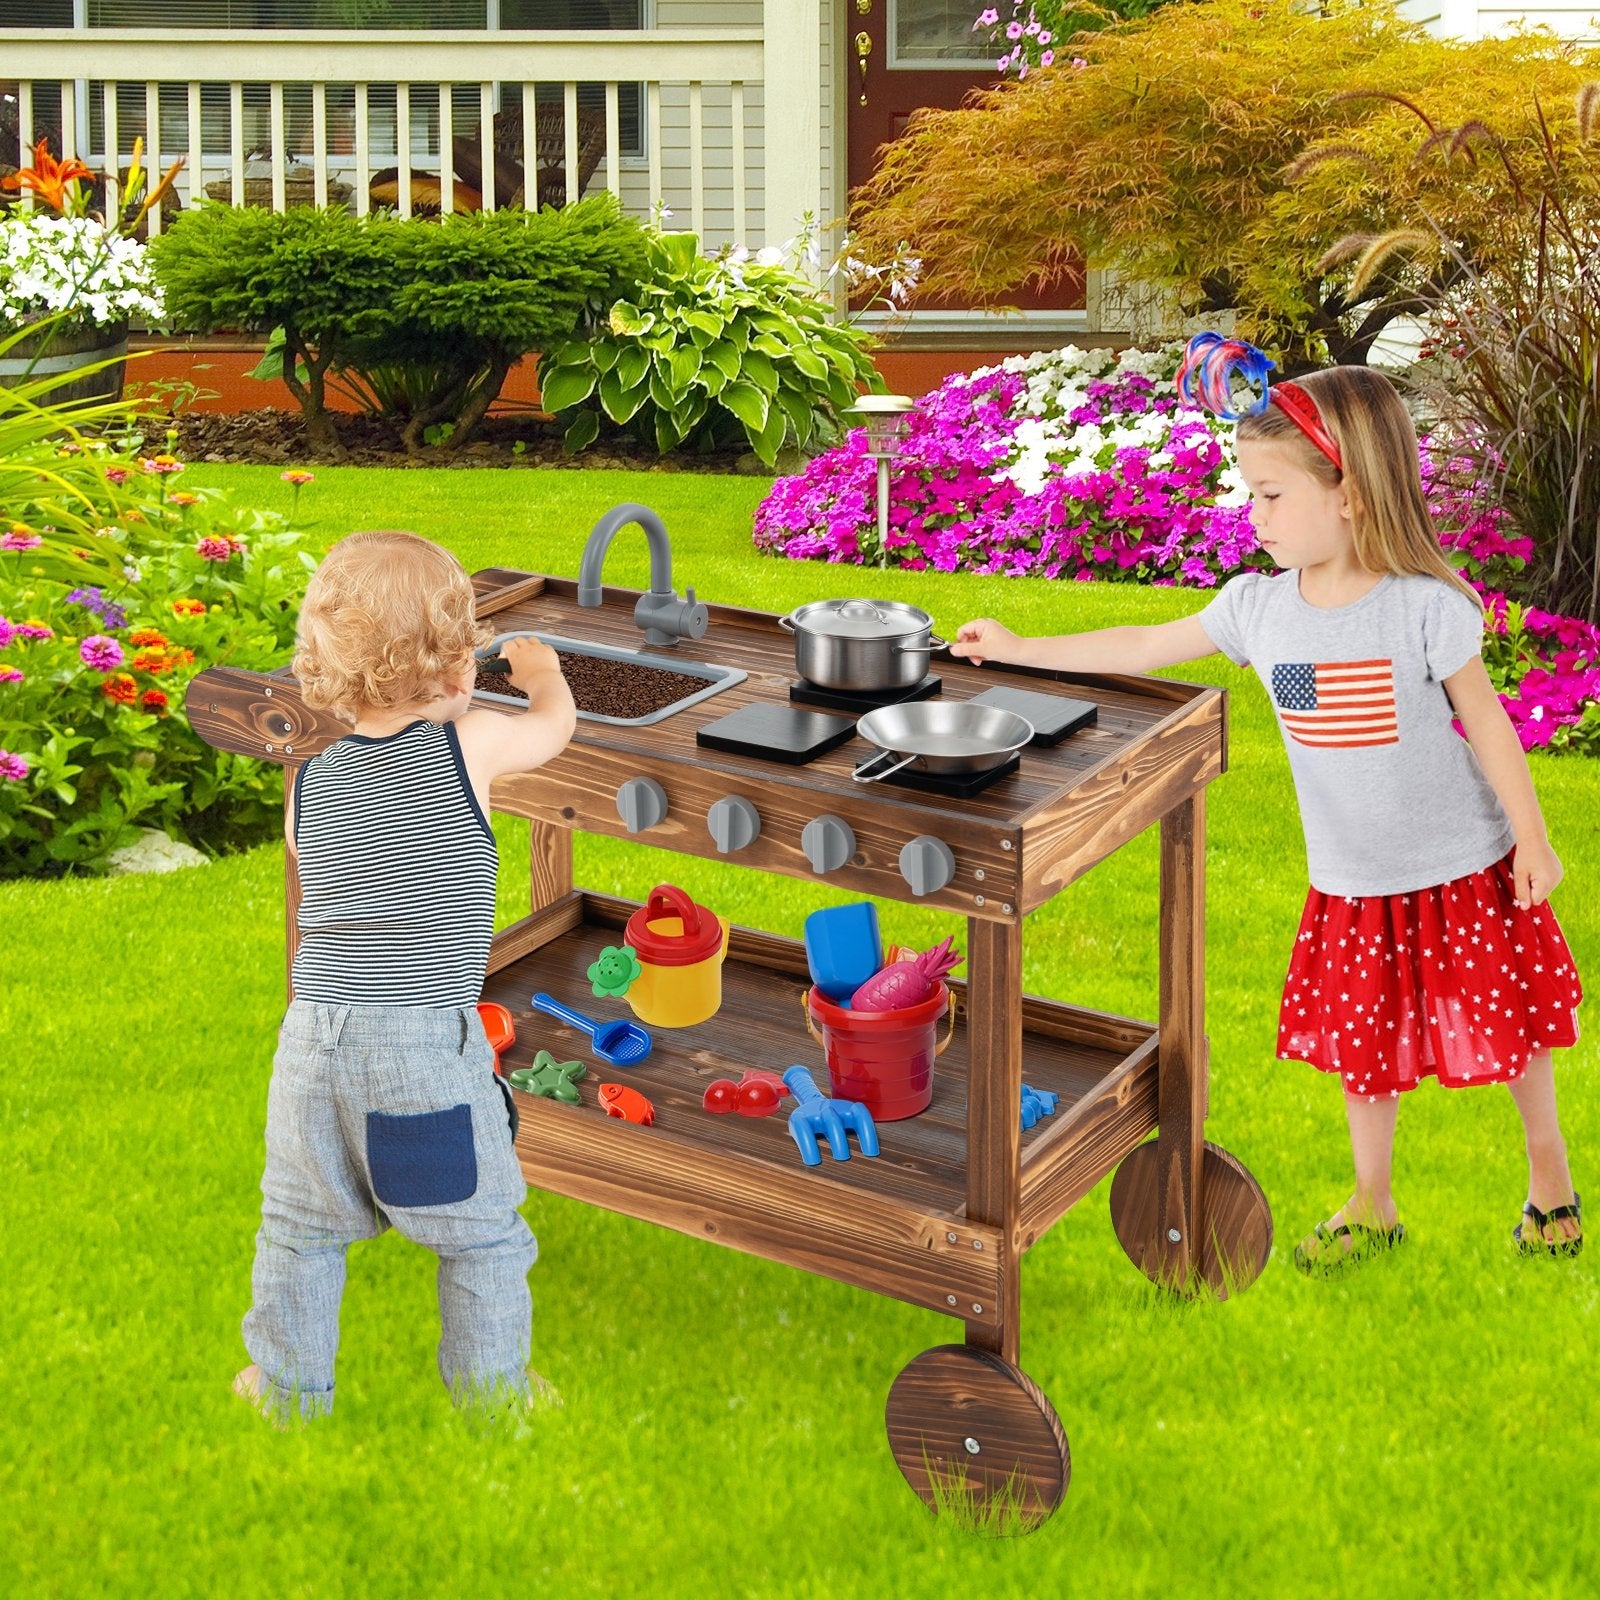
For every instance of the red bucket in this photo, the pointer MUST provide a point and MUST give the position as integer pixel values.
(882, 1059)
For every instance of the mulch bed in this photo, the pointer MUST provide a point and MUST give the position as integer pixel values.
(270, 437)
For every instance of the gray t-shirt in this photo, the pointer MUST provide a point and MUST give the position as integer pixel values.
(1392, 798)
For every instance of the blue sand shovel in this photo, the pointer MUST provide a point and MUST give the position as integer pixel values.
(622, 1044)
(831, 1118)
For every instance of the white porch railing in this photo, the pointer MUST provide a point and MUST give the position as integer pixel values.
(695, 107)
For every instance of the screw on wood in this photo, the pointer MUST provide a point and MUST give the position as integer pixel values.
(977, 1308)
(950, 1298)
(972, 1446)
(951, 1237)
(1174, 1235)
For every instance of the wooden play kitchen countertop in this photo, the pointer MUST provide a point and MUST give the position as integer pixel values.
(942, 1216)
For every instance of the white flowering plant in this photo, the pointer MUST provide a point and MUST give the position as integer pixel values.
(74, 265)
(68, 262)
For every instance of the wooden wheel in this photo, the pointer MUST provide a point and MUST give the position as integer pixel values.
(976, 1438)
(1236, 1231)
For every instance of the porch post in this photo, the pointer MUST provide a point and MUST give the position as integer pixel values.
(792, 136)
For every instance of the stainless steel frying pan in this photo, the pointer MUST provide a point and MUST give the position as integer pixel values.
(941, 737)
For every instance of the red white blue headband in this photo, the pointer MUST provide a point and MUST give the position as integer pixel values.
(1205, 380)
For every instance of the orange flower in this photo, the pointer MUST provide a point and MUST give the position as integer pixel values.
(147, 636)
(153, 700)
(47, 177)
(183, 497)
(189, 608)
(152, 661)
(121, 688)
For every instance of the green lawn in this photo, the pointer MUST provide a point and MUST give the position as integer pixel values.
(1425, 1428)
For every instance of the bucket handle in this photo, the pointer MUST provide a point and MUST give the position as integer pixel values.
(938, 1050)
(668, 900)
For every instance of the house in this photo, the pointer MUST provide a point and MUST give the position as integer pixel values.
(742, 117)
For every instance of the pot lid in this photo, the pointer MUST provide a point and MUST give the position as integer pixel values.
(861, 619)
(699, 940)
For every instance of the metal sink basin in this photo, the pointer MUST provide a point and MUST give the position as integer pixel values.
(716, 678)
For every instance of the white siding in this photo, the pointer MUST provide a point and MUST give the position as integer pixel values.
(716, 131)
(1468, 19)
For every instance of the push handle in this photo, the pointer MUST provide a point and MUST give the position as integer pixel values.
(549, 1003)
(666, 899)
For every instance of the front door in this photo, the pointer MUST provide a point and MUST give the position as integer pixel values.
(902, 54)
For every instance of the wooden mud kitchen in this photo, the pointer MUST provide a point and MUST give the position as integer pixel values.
(943, 1215)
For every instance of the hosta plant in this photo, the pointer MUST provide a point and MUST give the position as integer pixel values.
(711, 350)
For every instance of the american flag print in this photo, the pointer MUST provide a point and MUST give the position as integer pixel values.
(1337, 703)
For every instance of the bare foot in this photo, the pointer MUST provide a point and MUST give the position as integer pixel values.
(542, 1394)
(250, 1385)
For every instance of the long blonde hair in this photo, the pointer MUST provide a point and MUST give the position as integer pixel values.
(386, 619)
(1390, 523)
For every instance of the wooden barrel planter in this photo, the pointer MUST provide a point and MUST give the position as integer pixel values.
(64, 354)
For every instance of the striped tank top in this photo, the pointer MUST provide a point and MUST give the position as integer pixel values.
(397, 872)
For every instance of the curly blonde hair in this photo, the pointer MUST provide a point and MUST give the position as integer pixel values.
(387, 618)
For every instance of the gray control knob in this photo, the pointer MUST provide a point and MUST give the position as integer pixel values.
(828, 842)
(927, 864)
(641, 803)
(733, 822)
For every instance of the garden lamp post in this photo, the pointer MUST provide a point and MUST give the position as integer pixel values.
(886, 417)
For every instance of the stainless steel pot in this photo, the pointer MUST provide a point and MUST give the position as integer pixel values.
(940, 736)
(861, 646)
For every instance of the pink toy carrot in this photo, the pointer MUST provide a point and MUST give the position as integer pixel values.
(906, 983)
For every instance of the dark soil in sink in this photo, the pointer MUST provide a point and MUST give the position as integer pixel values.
(608, 688)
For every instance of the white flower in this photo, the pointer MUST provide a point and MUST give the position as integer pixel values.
(50, 264)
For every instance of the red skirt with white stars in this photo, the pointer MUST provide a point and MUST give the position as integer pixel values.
(1454, 982)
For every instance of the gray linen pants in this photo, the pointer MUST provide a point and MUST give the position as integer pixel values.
(381, 1115)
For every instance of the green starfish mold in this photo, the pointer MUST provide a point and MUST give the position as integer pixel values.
(616, 970)
(554, 1080)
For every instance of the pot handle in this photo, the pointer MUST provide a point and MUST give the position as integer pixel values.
(934, 643)
(862, 776)
(667, 900)
(786, 621)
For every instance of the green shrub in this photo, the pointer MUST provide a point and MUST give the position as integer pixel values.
(327, 279)
(712, 349)
(115, 589)
(422, 319)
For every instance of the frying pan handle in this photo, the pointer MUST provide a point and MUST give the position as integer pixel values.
(861, 774)
(934, 643)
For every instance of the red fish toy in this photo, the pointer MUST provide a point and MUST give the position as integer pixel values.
(621, 1101)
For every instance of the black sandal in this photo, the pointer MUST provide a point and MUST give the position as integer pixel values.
(1322, 1254)
(1561, 1245)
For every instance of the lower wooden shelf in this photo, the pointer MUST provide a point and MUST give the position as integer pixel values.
(895, 1223)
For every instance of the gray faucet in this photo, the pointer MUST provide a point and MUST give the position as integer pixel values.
(664, 617)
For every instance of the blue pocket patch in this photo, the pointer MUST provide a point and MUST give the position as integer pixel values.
(422, 1160)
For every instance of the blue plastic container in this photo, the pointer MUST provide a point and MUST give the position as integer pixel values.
(843, 948)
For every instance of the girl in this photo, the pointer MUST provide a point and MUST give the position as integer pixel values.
(1426, 947)
(383, 1107)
